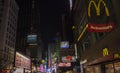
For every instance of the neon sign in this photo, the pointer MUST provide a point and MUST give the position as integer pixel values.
(98, 26)
(97, 7)
(101, 27)
(105, 52)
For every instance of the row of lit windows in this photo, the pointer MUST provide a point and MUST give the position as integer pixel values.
(12, 18)
(10, 35)
(12, 26)
(8, 54)
(11, 29)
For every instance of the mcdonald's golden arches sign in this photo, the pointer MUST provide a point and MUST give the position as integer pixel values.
(97, 7)
(100, 21)
(105, 52)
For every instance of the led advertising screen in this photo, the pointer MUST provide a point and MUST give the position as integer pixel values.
(64, 44)
(32, 38)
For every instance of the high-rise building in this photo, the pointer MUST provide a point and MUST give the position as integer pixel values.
(34, 36)
(29, 41)
(23, 23)
(28, 30)
(34, 39)
(8, 27)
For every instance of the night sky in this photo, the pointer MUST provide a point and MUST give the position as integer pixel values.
(50, 18)
(50, 15)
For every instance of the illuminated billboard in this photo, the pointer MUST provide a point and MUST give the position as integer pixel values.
(100, 16)
(64, 44)
(64, 64)
(68, 59)
(22, 61)
(32, 38)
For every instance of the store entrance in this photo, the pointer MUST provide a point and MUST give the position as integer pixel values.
(113, 67)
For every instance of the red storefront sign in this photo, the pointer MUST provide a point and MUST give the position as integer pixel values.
(100, 27)
(69, 58)
(64, 64)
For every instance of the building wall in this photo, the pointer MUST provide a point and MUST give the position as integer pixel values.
(97, 41)
(80, 22)
(111, 42)
(116, 9)
(8, 31)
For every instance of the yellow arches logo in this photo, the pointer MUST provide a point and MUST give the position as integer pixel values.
(105, 52)
(97, 7)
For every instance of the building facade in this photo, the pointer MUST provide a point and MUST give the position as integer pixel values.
(22, 29)
(8, 27)
(34, 39)
(98, 50)
(29, 41)
(79, 27)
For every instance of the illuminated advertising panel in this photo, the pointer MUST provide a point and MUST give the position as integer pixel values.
(32, 38)
(100, 27)
(68, 59)
(100, 16)
(22, 61)
(64, 64)
(42, 68)
(64, 44)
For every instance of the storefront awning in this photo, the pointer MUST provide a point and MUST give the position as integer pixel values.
(102, 59)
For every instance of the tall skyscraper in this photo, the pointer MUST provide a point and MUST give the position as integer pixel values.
(34, 40)
(28, 30)
(29, 38)
(8, 26)
(22, 29)
(33, 37)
